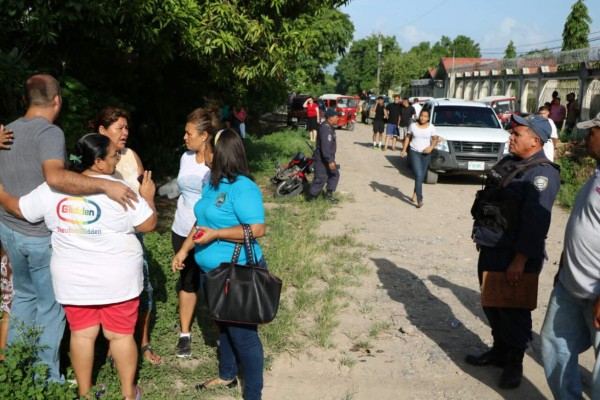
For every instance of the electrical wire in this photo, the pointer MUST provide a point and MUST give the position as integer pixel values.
(532, 44)
(421, 16)
(525, 52)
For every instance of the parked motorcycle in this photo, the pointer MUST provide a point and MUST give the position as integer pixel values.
(291, 179)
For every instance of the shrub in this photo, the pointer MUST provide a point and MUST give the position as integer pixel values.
(22, 376)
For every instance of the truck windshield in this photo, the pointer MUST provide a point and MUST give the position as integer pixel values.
(476, 117)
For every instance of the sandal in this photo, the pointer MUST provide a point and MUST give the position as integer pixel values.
(154, 358)
(216, 382)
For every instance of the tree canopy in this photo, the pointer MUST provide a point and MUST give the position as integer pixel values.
(357, 70)
(577, 27)
(511, 51)
(162, 58)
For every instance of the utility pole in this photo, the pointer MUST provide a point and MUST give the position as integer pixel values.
(378, 63)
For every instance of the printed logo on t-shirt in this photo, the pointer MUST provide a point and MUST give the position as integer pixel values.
(221, 199)
(78, 210)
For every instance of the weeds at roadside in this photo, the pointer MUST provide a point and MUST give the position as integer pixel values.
(362, 345)
(378, 328)
(347, 362)
(365, 308)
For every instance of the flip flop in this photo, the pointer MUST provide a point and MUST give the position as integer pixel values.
(152, 360)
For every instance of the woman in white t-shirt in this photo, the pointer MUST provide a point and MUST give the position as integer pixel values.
(96, 263)
(423, 139)
(193, 175)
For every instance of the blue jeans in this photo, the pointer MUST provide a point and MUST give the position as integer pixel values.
(419, 162)
(568, 330)
(240, 343)
(146, 297)
(34, 302)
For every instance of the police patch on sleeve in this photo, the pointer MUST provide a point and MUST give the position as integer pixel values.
(329, 137)
(540, 183)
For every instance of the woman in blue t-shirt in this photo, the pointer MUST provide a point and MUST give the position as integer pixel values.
(228, 201)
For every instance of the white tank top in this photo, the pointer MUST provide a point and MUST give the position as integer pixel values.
(127, 169)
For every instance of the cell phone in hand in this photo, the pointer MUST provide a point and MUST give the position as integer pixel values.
(199, 233)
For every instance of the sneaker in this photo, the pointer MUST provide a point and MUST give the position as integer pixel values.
(184, 346)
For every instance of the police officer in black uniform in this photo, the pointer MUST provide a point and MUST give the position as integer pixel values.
(512, 217)
(324, 156)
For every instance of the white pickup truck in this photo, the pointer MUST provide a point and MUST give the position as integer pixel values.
(473, 138)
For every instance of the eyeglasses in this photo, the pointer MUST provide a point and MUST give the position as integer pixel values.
(117, 155)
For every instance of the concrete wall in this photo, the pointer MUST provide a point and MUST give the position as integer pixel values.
(532, 86)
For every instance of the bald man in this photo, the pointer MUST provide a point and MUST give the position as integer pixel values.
(37, 154)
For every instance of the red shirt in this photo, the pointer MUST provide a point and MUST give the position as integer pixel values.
(311, 110)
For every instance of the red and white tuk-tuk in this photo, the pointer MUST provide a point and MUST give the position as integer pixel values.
(346, 105)
(503, 106)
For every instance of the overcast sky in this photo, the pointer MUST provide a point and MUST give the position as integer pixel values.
(531, 24)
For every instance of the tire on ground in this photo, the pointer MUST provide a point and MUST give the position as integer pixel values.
(431, 177)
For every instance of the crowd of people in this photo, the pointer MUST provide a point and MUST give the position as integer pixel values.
(72, 248)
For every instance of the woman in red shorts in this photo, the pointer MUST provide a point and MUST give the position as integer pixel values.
(96, 262)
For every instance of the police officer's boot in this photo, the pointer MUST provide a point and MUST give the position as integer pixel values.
(513, 372)
(495, 356)
(329, 196)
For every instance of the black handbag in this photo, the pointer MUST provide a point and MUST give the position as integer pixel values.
(244, 294)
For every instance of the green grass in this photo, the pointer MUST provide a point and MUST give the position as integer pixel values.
(576, 168)
(315, 271)
(378, 328)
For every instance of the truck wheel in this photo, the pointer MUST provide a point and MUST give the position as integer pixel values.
(350, 126)
(431, 177)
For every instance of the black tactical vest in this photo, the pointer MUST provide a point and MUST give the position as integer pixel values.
(495, 207)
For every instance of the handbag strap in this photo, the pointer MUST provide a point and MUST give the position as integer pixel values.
(248, 239)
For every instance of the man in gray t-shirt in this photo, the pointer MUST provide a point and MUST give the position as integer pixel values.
(572, 322)
(21, 168)
(37, 154)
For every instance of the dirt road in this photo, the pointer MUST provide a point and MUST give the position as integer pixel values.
(421, 286)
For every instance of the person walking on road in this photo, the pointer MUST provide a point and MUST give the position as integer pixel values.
(417, 107)
(422, 138)
(572, 323)
(407, 113)
(326, 171)
(378, 123)
(512, 218)
(391, 128)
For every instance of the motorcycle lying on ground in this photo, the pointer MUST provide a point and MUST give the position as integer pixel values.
(291, 179)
